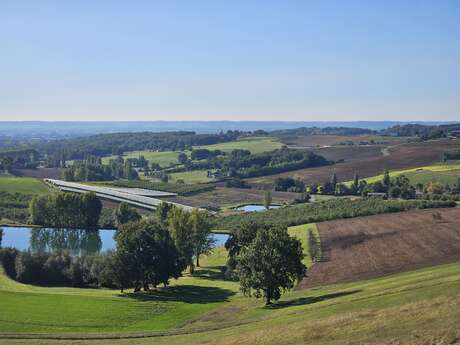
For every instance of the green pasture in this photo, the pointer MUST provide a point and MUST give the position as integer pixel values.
(194, 176)
(166, 158)
(255, 145)
(424, 303)
(25, 185)
(27, 308)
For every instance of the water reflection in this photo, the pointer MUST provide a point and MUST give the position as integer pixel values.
(74, 242)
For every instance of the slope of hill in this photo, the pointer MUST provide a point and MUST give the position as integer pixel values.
(378, 245)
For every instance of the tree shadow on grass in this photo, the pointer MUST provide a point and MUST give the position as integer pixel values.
(183, 293)
(310, 300)
(209, 273)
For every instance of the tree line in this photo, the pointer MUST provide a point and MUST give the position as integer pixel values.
(149, 251)
(326, 210)
(119, 143)
(92, 169)
(66, 210)
(242, 164)
(18, 159)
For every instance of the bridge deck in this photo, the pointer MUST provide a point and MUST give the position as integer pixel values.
(119, 195)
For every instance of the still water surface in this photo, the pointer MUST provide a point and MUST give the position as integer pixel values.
(255, 208)
(75, 242)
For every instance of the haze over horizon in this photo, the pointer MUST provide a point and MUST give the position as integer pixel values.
(209, 61)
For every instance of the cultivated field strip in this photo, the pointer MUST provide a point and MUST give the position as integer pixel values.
(403, 156)
(383, 244)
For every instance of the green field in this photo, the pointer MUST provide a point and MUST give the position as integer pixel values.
(424, 304)
(301, 233)
(443, 173)
(25, 185)
(418, 307)
(166, 158)
(27, 308)
(255, 145)
(194, 176)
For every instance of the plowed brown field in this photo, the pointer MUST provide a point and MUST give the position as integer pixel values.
(402, 156)
(373, 246)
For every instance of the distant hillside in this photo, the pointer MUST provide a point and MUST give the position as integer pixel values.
(36, 130)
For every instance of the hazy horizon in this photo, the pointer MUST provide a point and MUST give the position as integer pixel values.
(238, 61)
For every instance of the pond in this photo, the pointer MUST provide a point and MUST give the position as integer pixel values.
(255, 208)
(75, 242)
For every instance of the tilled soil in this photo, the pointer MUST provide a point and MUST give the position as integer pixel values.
(374, 246)
(402, 156)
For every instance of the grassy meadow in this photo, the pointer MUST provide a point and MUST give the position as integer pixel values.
(417, 307)
(27, 308)
(255, 145)
(24, 185)
(194, 176)
(166, 158)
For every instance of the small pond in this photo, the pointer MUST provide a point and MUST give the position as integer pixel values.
(76, 242)
(255, 208)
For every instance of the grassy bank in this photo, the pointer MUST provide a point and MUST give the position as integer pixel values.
(418, 307)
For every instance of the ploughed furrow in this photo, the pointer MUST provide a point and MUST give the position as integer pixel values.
(373, 246)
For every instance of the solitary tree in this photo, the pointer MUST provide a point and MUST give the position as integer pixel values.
(270, 264)
(355, 186)
(125, 213)
(201, 229)
(313, 246)
(267, 199)
(386, 180)
(334, 180)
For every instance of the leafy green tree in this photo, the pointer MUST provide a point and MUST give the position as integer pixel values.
(146, 254)
(179, 225)
(182, 158)
(270, 264)
(386, 181)
(201, 228)
(92, 209)
(313, 246)
(66, 210)
(162, 212)
(39, 210)
(457, 187)
(355, 186)
(334, 180)
(267, 199)
(125, 213)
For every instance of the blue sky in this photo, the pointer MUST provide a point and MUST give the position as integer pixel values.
(230, 60)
